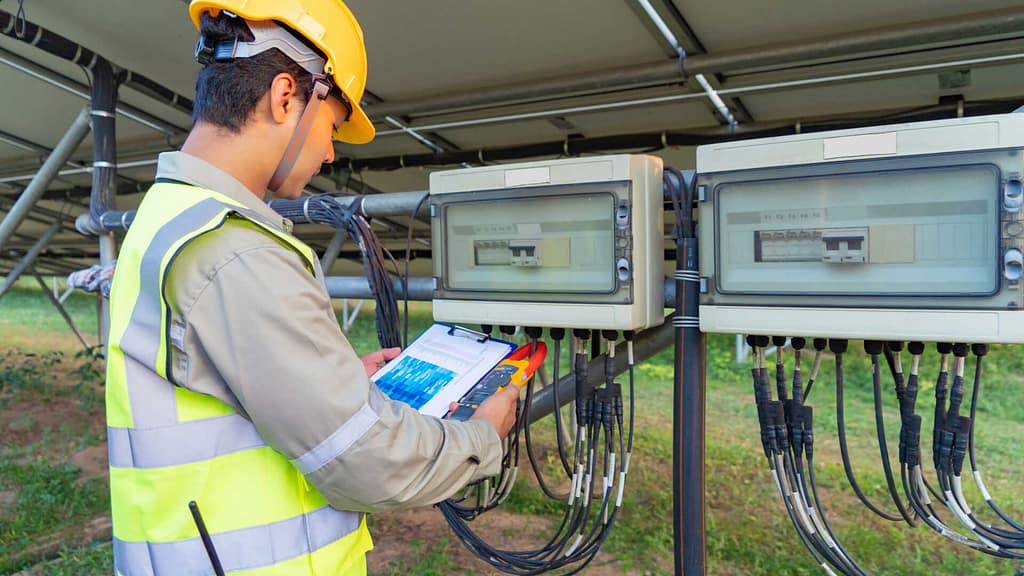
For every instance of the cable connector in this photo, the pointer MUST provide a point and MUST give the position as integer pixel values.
(807, 420)
(873, 347)
(960, 444)
(838, 346)
(913, 450)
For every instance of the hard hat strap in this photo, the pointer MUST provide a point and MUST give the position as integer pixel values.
(321, 88)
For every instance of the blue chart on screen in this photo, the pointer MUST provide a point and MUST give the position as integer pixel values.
(414, 381)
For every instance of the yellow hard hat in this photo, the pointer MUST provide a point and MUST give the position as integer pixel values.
(327, 24)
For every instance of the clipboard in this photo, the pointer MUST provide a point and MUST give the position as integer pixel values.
(440, 367)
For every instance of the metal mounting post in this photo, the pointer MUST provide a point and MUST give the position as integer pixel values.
(35, 189)
(29, 258)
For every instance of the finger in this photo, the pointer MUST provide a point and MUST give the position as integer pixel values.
(390, 353)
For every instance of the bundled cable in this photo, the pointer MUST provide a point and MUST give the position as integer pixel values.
(326, 209)
(601, 447)
(787, 438)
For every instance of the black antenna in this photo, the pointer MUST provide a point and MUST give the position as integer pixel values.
(207, 541)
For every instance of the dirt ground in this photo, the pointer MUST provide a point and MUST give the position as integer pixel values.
(400, 538)
(395, 532)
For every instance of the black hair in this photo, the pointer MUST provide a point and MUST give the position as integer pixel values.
(227, 92)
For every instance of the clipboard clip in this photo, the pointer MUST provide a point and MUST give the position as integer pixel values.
(481, 337)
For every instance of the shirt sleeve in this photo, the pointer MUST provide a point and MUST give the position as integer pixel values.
(267, 328)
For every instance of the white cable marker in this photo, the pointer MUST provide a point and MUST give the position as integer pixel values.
(921, 489)
(817, 364)
(626, 467)
(956, 537)
(954, 507)
(611, 462)
(821, 528)
(778, 486)
(622, 482)
(827, 569)
(958, 489)
(799, 504)
(572, 548)
(506, 493)
(981, 486)
(573, 489)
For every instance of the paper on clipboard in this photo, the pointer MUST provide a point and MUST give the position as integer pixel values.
(439, 367)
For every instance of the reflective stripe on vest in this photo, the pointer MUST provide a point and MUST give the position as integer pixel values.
(169, 445)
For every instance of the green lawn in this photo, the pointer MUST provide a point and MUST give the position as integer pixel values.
(748, 530)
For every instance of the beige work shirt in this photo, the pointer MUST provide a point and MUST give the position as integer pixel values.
(253, 328)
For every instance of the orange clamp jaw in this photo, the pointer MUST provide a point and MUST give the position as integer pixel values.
(524, 362)
(517, 368)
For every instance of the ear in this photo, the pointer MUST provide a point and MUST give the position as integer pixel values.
(283, 97)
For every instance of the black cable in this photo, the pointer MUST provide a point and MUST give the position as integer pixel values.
(838, 347)
(874, 348)
(980, 350)
(325, 209)
(819, 347)
(769, 437)
(557, 335)
(584, 526)
(533, 335)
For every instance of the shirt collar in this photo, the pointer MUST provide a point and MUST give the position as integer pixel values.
(193, 170)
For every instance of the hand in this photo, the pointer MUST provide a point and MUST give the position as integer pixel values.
(499, 410)
(374, 360)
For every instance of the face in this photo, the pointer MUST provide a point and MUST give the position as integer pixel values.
(318, 148)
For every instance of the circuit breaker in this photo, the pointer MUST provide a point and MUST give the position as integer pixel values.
(896, 232)
(574, 243)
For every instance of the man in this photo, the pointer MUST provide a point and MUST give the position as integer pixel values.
(229, 383)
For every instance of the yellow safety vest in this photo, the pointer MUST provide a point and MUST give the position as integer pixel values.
(169, 446)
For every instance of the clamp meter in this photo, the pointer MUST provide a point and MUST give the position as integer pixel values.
(517, 368)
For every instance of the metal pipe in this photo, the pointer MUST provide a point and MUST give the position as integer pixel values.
(663, 28)
(647, 344)
(104, 139)
(80, 90)
(29, 257)
(79, 170)
(61, 47)
(395, 204)
(67, 145)
(688, 422)
(108, 253)
(414, 134)
(420, 289)
(60, 308)
(374, 206)
(577, 146)
(104, 164)
(333, 249)
(358, 287)
(737, 91)
(903, 38)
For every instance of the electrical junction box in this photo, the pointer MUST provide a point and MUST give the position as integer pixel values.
(911, 231)
(574, 243)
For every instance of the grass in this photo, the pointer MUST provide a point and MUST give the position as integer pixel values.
(748, 530)
(29, 322)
